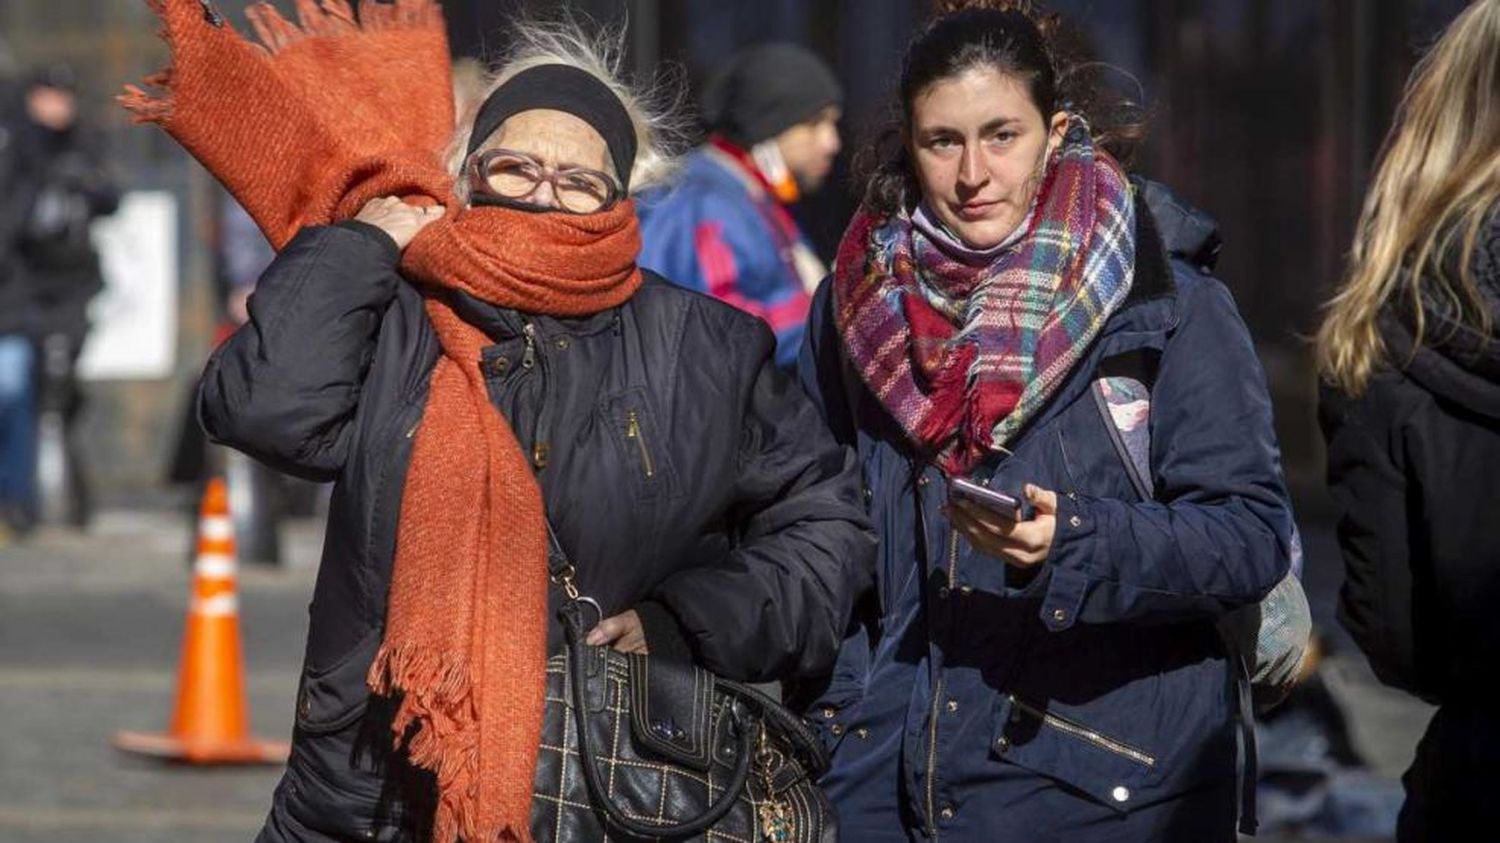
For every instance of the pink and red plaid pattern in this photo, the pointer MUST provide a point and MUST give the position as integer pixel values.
(963, 356)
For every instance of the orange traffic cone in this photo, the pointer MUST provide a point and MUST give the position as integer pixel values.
(210, 720)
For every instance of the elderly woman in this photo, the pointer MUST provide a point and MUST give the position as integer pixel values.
(475, 375)
(1007, 310)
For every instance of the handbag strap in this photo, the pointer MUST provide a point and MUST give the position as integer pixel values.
(578, 655)
(561, 570)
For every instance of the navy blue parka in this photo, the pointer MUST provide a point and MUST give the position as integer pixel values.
(1092, 700)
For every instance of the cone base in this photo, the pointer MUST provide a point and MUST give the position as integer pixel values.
(173, 748)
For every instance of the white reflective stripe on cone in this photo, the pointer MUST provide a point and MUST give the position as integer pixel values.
(216, 528)
(217, 606)
(214, 565)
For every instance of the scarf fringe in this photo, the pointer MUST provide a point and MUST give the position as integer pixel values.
(436, 719)
(439, 726)
(331, 18)
(274, 33)
(143, 105)
(146, 107)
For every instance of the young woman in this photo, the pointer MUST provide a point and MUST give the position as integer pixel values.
(1410, 409)
(1053, 674)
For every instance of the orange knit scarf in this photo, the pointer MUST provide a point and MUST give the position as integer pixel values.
(303, 129)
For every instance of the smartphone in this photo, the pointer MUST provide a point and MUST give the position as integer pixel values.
(997, 502)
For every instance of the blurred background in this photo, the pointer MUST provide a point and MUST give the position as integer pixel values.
(1267, 114)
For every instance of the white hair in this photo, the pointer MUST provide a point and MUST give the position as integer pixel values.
(658, 132)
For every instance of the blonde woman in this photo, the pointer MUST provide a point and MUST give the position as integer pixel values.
(1411, 413)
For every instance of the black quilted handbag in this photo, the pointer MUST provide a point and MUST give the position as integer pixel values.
(636, 748)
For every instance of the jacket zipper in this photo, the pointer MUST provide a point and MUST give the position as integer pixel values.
(633, 431)
(932, 714)
(528, 357)
(1084, 733)
(541, 451)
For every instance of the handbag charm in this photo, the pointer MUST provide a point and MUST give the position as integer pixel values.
(777, 824)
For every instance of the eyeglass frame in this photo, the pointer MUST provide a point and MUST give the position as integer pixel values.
(479, 182)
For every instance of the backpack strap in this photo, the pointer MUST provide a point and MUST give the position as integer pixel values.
(1125, 403)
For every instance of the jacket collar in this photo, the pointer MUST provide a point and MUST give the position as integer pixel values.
(1151, 304)
(501, 324)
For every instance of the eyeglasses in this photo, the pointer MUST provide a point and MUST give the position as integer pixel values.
(514, 177)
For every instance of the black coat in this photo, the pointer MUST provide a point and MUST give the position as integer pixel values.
(685, 475)
(52, 186)
(1414, 465)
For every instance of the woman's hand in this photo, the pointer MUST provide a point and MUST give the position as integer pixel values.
(623, 632)
(1023, 544)
(398, 219)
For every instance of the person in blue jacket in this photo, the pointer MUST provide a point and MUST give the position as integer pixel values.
(725, 227)
(1007, 308)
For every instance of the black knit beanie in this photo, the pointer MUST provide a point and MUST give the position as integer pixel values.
(765, 90)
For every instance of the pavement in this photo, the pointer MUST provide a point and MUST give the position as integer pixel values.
(90, 631)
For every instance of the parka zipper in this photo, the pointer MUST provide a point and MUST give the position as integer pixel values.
(633, 431)
(1084, 733)
(528, 357)
(932, 714)
(541, 451)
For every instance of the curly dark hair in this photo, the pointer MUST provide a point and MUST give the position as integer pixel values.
(1015, 38)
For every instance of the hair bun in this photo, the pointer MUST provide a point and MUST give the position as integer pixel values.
(953, 7)
(1047, 24)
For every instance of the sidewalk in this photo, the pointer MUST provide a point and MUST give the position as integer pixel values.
(90, 629)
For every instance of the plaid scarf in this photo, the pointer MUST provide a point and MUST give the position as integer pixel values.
(963, 355)
(303, 127)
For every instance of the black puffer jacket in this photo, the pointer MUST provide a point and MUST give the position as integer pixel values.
(1414, 464)
(685, 475)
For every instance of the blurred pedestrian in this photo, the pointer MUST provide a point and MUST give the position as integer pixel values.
(1007, 309)
(17, 411)
(477, 377)
(1410, 408)
(17, 418)
(725, 226)
(59, 183)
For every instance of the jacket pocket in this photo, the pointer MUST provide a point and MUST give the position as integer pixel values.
(641, 444)
(345, 779)
(833, 717)
(334, 696)
(1110, 768)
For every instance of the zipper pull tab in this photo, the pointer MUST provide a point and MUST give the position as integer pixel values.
(633, 431)
(528, 358)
